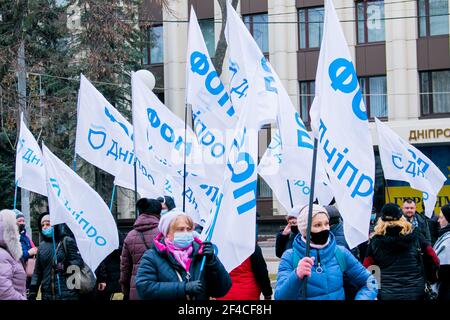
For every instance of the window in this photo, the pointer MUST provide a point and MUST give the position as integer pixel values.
(207, 27)
(307, 91)
(370, 16)
(374, 94)
(154, 49)
(258, 27)
(310, 27)
(433, 17)
(435, 92)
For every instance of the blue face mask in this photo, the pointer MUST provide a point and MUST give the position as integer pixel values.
(48, 232)
(164, 211)
(373, 217)
(183, 239)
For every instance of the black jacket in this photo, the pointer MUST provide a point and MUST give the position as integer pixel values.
(46, 274)
(423, 225)
(109, 270)
(398, 257)
(157, 277)
(259, 268)
(283, 242)
(434, 227)
(444, 273)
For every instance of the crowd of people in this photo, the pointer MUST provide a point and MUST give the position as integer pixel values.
(407, 257)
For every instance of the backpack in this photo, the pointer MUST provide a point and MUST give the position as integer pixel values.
(87, 277)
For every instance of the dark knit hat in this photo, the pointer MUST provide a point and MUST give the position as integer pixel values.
(169, 201)
(391, 212)
(446, 211)
(335, 216)
(149, 206)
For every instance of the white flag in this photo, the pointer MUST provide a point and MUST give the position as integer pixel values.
(290, 191)
(213, 118)
(339, 122)
(105, 139)
(213, 113)
(160, 134)
(249, 68)
(204, 89)
(297, 151)
(198, 197)
(232, 224)
(30, 171)
(402, 161)
(72, 201)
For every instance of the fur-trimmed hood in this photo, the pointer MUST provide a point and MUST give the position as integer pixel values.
(9, 234)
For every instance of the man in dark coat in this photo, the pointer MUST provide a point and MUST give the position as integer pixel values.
(136, 243)
(108, 274)
(50, 275)
(434, 228)
(285, 237)
(419, 221)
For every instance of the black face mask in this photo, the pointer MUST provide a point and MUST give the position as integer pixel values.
(321, 237)
(294, 229)
(21, 228)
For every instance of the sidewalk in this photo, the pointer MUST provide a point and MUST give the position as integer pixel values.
(272, 261)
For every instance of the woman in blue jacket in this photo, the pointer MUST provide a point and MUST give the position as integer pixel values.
(325, 268)
(171, 269)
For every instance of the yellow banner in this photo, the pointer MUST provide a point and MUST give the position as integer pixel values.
(399, 194)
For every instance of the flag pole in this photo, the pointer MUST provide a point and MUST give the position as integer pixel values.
(112, 198)
(135, 189)
(308, 229)
(184, 157)
(75, 161)
(210, 232)
(15, 195)
(56, 260)
(290, 193)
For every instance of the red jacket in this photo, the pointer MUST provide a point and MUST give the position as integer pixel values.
(244, 285)
(133, 250)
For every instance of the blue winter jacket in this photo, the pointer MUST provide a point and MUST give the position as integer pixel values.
(26, 245)
(327, 285)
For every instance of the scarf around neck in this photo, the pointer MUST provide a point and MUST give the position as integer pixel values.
(182, 255)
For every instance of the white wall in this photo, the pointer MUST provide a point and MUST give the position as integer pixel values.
(175, 46)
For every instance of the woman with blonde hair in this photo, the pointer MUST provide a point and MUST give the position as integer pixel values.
(171, 269)
(406, 260)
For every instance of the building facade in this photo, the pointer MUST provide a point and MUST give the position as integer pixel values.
(400, 49)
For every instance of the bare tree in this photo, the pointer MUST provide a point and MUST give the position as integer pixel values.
(222, 44)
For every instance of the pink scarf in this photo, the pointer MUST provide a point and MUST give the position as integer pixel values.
(181, 255)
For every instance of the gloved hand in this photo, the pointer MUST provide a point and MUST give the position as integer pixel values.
(194, 287)
(208, 251)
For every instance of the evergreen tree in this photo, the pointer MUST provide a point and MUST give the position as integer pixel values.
(40, 26)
